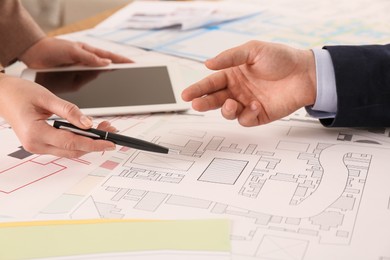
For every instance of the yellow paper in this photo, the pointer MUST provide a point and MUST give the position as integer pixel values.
(64, 238)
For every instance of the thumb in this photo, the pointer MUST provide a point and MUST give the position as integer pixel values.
(235, 56)
(69, 111)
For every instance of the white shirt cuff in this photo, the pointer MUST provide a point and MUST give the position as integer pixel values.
(326, 99)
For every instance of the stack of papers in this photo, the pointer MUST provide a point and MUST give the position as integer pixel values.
(184, 15)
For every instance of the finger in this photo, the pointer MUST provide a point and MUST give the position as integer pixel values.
(210, 102)
(231, 109)
(68, 141)
(106, 126)
(208, 85)
(115, 58)
(49, 149)
(81, 56)
(63, 143)
(68, 111)
(235, 56)
(250, 115)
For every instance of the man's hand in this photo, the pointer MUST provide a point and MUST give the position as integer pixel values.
(258, 83)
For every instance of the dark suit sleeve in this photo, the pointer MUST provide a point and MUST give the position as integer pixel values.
(362, 85)
(18, 31)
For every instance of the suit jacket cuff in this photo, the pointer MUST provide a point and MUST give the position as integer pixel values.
(362, 85)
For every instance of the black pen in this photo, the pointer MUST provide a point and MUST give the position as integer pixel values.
(115, 138)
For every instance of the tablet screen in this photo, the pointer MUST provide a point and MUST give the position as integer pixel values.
(111, 88)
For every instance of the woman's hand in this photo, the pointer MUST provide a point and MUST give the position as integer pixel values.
(52, 52)
(26, 106)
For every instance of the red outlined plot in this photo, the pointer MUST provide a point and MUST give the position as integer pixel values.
(27, 173)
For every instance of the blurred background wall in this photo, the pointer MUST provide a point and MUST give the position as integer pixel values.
(51, 14)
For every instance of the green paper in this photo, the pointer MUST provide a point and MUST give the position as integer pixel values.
(66, 239)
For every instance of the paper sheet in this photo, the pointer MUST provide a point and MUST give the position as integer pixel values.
(303, 24)
(182, 15)
(196, 239)
(291, 184)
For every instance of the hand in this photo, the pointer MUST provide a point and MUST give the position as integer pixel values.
(52, 52)
(26, 106)
(258, 83)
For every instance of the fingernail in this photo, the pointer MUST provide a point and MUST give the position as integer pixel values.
(254, 106)
(228, 108)
(86, 121)
(107, 61)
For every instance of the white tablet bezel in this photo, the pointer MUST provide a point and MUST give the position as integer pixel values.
(174, 75)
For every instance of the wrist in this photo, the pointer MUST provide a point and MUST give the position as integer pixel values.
(4, 83)
(309, 78)
(30, 55)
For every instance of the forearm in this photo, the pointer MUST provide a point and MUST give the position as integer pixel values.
(3, 94)
(18, 31)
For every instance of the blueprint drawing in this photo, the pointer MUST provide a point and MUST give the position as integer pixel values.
(293, 189)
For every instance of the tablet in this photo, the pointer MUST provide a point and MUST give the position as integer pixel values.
(117, 89)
